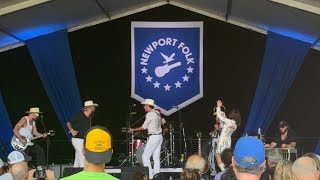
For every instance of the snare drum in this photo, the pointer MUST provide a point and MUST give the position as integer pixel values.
(136, 144)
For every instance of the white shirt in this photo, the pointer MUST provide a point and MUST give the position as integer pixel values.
(27, 131)
(6, 176)
(152, 122)
(229, 125)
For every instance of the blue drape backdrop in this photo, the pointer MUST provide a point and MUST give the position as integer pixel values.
(53, 61)
(6, 131)
(282, 59)
(317, 150)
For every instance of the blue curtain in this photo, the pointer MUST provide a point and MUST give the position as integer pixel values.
(282, 59)
(6, 131)
(317, 151)
(53, 61)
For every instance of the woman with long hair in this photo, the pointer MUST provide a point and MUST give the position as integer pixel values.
(283, 170)
(229, 125)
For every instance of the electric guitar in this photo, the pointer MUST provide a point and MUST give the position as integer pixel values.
(18, 146)
(206, 167)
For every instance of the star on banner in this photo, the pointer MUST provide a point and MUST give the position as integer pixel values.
(167, 87)
(156, 84)
(149, 78)
(185, 78)
(190, 69)
(144, 70)
(178, 84)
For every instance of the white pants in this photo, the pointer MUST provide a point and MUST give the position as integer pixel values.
(153, 147)
(79, 158)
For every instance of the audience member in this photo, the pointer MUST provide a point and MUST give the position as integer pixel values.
(19, 171)
(304, 168)
(1, 167)
(283, 170)
(15, 157)
(315, 158)
(139, 176)
(226, 158)
(194, 168)
(273, 157)
(229, 174)
(248, 160)
(97, 152)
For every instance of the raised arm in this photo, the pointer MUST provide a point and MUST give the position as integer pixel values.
(221, 117)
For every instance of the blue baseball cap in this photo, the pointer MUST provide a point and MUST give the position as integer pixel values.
(249, 152)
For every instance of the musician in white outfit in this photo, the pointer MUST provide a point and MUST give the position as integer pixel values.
(229, 125)
(153, 124)
(26, 128)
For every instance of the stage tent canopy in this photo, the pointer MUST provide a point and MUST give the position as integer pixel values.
(21, 20)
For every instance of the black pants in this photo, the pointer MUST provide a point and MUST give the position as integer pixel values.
(38, 152)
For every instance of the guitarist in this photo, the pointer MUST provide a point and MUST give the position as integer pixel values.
(26, 127)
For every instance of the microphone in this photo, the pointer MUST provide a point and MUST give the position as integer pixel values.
(133, 105)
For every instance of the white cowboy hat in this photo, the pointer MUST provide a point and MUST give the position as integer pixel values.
(35, 110)
(90, 104)
(148, 102)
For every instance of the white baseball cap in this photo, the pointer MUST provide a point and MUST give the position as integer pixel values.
(16, 156)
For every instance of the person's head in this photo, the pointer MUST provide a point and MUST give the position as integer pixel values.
(315, 158)
(235, 115)
(229, 175)
(195, 162)
(34, 113)
(19, 171)
(139, 176)
(90, 107)
(304, 168)
(98, 146)
(190, 174)
(1, 167)
(283, 170)
(16, 157)
(273, 157)
(226, 157)
(148, 105)
(283, 127)
(249, 157)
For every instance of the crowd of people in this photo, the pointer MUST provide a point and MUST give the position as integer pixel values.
(250, 158)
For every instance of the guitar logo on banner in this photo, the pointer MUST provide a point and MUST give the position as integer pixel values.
(167, 63)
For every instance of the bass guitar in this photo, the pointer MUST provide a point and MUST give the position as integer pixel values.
(206, 167)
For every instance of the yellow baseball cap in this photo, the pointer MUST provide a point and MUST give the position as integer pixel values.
(98, 145)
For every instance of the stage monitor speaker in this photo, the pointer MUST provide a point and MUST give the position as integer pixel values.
(128, 172)
(68, 171)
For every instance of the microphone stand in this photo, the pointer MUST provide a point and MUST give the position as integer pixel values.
(181, 133)
(47, 141)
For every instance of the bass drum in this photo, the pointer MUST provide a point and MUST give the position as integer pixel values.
(139, 153)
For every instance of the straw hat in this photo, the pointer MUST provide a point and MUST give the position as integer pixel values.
(90, 104)
(35, 110)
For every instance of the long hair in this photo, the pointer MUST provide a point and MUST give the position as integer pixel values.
(190, 174)
(235, 115)
(283, 170)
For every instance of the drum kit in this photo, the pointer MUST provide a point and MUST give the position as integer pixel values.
(137, 143)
